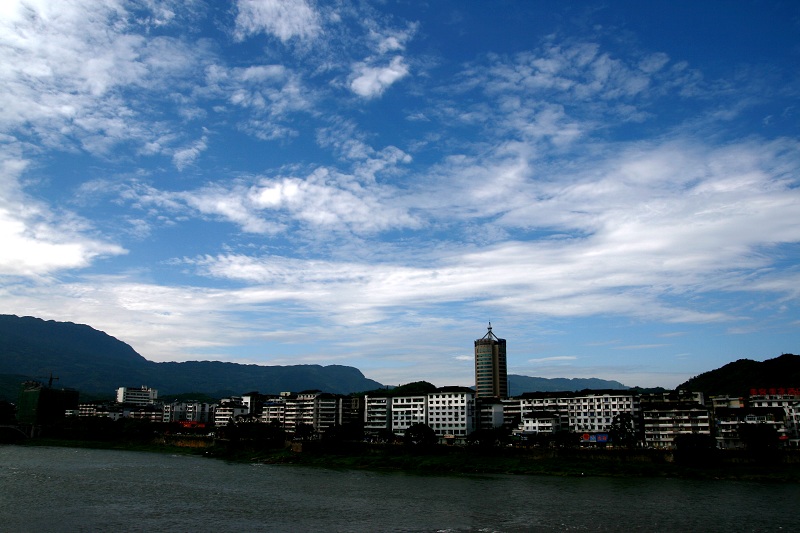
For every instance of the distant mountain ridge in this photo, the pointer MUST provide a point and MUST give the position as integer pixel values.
(94, 362)
(522, 384)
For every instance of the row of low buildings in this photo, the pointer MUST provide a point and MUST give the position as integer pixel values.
(660, 418)
(455, 412)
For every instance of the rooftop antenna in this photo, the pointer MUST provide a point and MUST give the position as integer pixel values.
(489, 334)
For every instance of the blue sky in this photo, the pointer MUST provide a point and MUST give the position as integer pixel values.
(613, 185)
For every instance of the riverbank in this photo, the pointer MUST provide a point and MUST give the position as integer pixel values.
(557, 463)
(442, 460)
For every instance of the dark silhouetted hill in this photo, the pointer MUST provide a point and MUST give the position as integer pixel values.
(522, 384)
(94, 362)
(739, 377)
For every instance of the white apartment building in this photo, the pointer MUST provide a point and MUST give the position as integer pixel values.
(327, 411)
(556, 403)
(407, 411)
(188, 412)
(539, 423)
(319, 410)
(99, 410)
(300, 410)
(793, 420)
(274, 411)
(733, 402)
(137, 396)
(585, 411)
(490, 413)
(228, 410)
(666, 421)
(200, 411)
(174, 412)
(512, 411)
(150, 413)
(728, 421)
(253, 403)
(595, 411)
(451, 412)
(669, 414)
(786, 399)
(377, 414)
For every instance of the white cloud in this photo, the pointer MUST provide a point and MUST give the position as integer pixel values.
(654, 62)
(640, 346)
(551, 359)
(387, 40)
(525, 195)
(65, 65)
(136, 312)
(231, 204)
(647, 223)
(285, 19)
(371, 81)
(186, 156)
(36, 242)
(531, 91)
(328, 200)
(268, 93)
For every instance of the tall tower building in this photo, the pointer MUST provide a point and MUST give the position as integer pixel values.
(491, 373)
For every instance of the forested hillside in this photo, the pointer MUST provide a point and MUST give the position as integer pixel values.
(739, 377)
(93, 362)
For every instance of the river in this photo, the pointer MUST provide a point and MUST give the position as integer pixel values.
(72, 490)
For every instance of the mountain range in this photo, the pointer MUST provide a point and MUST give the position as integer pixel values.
(520, 384)
(96, 363)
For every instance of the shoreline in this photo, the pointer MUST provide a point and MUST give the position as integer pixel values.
(464, 461)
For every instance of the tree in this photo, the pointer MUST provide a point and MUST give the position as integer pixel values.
(761, 441)
(416, 387)
(758, 437)
(483, 438)
(420, 435)
(695, 449)
(304, 432)
(623, 431)
(385, 435)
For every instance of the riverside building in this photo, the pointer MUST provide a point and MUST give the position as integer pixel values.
(143, 395)
(491, 373)
(451, 413)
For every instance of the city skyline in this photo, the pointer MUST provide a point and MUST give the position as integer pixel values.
(615, 188)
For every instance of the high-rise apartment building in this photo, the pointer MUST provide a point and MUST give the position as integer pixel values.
(491, 373)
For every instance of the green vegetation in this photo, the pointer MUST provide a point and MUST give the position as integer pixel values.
(623, 431)
(739, 377)
(453, 460)
(409, 389)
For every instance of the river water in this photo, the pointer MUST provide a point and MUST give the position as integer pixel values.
(73, 490)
